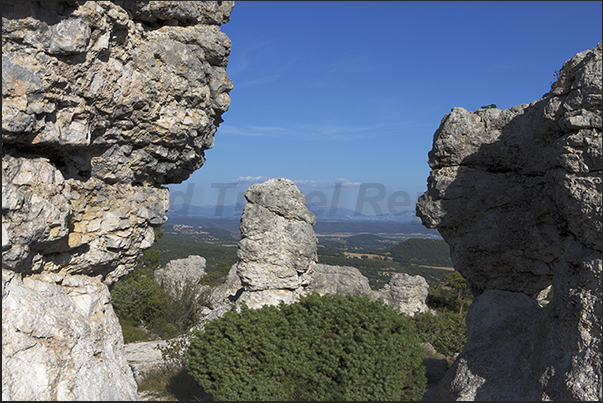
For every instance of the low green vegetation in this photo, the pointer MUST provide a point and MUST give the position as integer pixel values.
(453, 295)
(413, 258)
(562, 77)
(325, 348)
(428, 252)
(179, 247)
(140, 303)
(446, 331)
(322, 348)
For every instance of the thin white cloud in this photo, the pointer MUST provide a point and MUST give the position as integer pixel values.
(247, 82)
(254, 131)
(305, 185)
(254, 179)
(318, 132)
(325, 183)
(354, 62)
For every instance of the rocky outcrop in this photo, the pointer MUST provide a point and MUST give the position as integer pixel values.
(343, 280)
(516, 194)
(61, 340)
(277, 250)
(278, 254)
(179, 275)
(102, 103)
(227, 292)
(406, 293)
(144, 357)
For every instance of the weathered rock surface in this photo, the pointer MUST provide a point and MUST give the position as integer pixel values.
(179, 275)
(102, 103)
(344, 280)
(226, 293)
(144, 357)
(406, 293)
(516, 193)
(277, 250)
(61, 340)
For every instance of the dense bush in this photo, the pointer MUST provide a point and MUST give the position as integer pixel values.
(321, 348)
(137, 297)
(445, 331)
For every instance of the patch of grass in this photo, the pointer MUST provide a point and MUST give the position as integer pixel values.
(132, 331)
(172, 384)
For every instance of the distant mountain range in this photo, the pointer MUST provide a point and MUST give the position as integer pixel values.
(233, 212)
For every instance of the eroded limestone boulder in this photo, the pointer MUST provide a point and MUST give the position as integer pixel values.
(406, 293)
(182, 275)
(516, 194)
(278, 255)
(102, 103)
(344, 280)
(277, 250)
(227, 292)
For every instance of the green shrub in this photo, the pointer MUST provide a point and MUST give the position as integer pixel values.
(322, 348)
(180, 312)
(217, 277)
(137, 297)
(446, 331)
(562, 77)
(171, 384)
(448, 299)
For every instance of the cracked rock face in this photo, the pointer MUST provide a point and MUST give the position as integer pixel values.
(277, 250)
(516, 194)
(102, 103)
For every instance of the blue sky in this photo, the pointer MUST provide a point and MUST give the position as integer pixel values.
(353, 91)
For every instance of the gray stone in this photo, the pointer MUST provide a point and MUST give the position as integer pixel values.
(61, 340)
(226, 293)
(516, 194)
(144, 357)
(278, 244)
(408, 294)
(69, 36)
(102, 104)
(341, 280)
(181, 274)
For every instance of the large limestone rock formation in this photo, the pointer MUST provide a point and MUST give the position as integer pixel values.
(516, 193)
(408, 294)
(102, 103)
(277, 250)
(278, 254)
